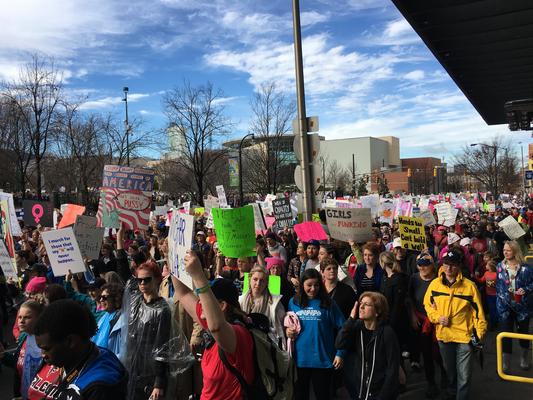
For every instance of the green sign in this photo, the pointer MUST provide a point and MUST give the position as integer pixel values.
(235, 230)
(274, 284)
(233, 171)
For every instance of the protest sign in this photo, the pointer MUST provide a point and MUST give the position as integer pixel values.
(491, 208)
(210, 202)
(444, 211)
(125, 196)
(63, 251)
(199, 212)
(412, 233)
(451, 220)
(386, 213)
(161, 210)
(309, 230)
(274, 284)
(222, 200)
(282, 212)
(70, 214)
(511, 228)
(259, 219)
(38, 213)
(5, 229)
(427, 217)
(6, 262)
(349, 224)
(209, 223)
(423, 204)
(235, 231)
(315, 217)
(371, 201)
(13, 221)
(187, 207)
(88, 236)
(179, 241)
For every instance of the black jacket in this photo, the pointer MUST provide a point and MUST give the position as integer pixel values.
(372, 372)
(395, 290)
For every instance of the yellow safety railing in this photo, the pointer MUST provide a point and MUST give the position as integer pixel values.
(499, 359)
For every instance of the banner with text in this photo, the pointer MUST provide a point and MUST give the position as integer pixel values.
(349, 224)
(88, 236)
(179, 242)
(235, 231)
(412, 233)
(63, 251)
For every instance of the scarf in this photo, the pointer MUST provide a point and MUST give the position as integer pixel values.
(258, 305)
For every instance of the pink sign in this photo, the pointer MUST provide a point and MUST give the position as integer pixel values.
(269, 221)
(307, 231)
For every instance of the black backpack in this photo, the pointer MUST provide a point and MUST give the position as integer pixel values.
(274, 368)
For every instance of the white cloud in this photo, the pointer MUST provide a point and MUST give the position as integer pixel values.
(110, 102)
(415, 75)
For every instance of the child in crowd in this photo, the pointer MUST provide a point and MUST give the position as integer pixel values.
(489, 279)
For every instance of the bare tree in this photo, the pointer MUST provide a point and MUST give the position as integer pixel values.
(197, 117)
(493, 164)
(36, 95)
(268, 160)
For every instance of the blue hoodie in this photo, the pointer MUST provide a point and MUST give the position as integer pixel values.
(315, 345)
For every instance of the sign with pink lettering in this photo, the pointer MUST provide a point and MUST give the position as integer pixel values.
(38, 213)
(125, 196)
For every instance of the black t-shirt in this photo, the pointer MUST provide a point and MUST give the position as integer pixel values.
(417, 291)
(367, 335)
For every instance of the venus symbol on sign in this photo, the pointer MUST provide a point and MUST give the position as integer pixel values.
(37, 212)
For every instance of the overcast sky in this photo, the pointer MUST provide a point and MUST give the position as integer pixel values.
(367, 72)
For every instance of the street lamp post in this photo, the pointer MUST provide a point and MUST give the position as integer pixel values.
(241, 196)
(523, 169)
(495, 148)
(127, 126)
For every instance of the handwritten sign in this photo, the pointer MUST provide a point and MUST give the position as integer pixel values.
(282, 212)
(349, 224)
(444, 212)
(13, 221)
(427, 217)
(511, 228)
(310, 230)
(179, 241)
(211, 202)
(235, 231)
(412, 233)
(386, 212)
(88, 236)
(274, 284)
(63, 251)
(6, 262)
(222, 200)
(38, 213)
(125, 196)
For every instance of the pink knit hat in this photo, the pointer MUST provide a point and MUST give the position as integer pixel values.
(36, 285)
(271, 261)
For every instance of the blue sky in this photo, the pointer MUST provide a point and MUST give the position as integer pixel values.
(367, 72)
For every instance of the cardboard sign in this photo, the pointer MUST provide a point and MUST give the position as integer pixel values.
(282, 212)
(88, 236)
(210, 224)
(386, 213)
(125, 196)
(412, 233)
(187, 207)
(451, 220)
(13, 220)
(38, 213)
(349, 224)
(235, 231)
(444, 212)
(161, 210)
(259, 219)
(371, 201)
(6, 262)
(427, 217)
(511, 228)
(310, 230)
(491, 208)
(211, 202)
(221, 193)
(5, 230)
(63, 251)
(179, 242)
(70, 214)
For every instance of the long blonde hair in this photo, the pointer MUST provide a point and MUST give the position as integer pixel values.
(517, 251)
(249, 305)
(387, 259)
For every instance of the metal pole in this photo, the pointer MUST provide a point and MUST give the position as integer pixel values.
(353, 174)
(523, 169)
(127, 127)
(241, 195)
(496, 173)
(307, 172)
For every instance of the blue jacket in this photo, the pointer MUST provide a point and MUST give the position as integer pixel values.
(315, 345)
(505, 300)
(361, 271)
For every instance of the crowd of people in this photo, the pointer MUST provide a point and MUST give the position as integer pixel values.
(354, 317)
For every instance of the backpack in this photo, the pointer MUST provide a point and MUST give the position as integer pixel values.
(274, 368)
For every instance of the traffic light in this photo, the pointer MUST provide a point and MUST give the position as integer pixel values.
(408, 172)
(435, 172)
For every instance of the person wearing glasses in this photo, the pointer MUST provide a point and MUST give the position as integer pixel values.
(453, 304)
(423, 340)
(373, 349)
(149, 328)
(110, 325)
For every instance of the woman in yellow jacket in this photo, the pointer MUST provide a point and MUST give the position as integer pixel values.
(453, 304)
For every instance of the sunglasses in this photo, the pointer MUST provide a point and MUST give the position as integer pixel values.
(144, 281)
(423, 262)
(103, 298)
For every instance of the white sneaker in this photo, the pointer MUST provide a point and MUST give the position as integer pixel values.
(525, 359)
(406, 354)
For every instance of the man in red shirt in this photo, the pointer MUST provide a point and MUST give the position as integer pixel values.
(216, 309)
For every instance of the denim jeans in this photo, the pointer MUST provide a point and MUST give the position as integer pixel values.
(458, 361)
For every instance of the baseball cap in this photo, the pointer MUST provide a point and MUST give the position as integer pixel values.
(397, 242)
(313, 242)
(200, 233)
(225, 290)
(453, 257)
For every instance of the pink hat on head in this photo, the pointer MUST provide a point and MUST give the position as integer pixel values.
(36, 285)
(271, 261)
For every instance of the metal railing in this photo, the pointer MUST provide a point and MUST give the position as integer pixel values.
(499, 358)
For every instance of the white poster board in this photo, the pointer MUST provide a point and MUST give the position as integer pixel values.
(6, 262)
(511, 228)
(13, 221)
(371, 201)
(179, 242)
(187, 207)
(222, 196)
(427, 217)
(63, 251)
(349, 224)
(258, 217)
(211, 202)
(88, 236)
